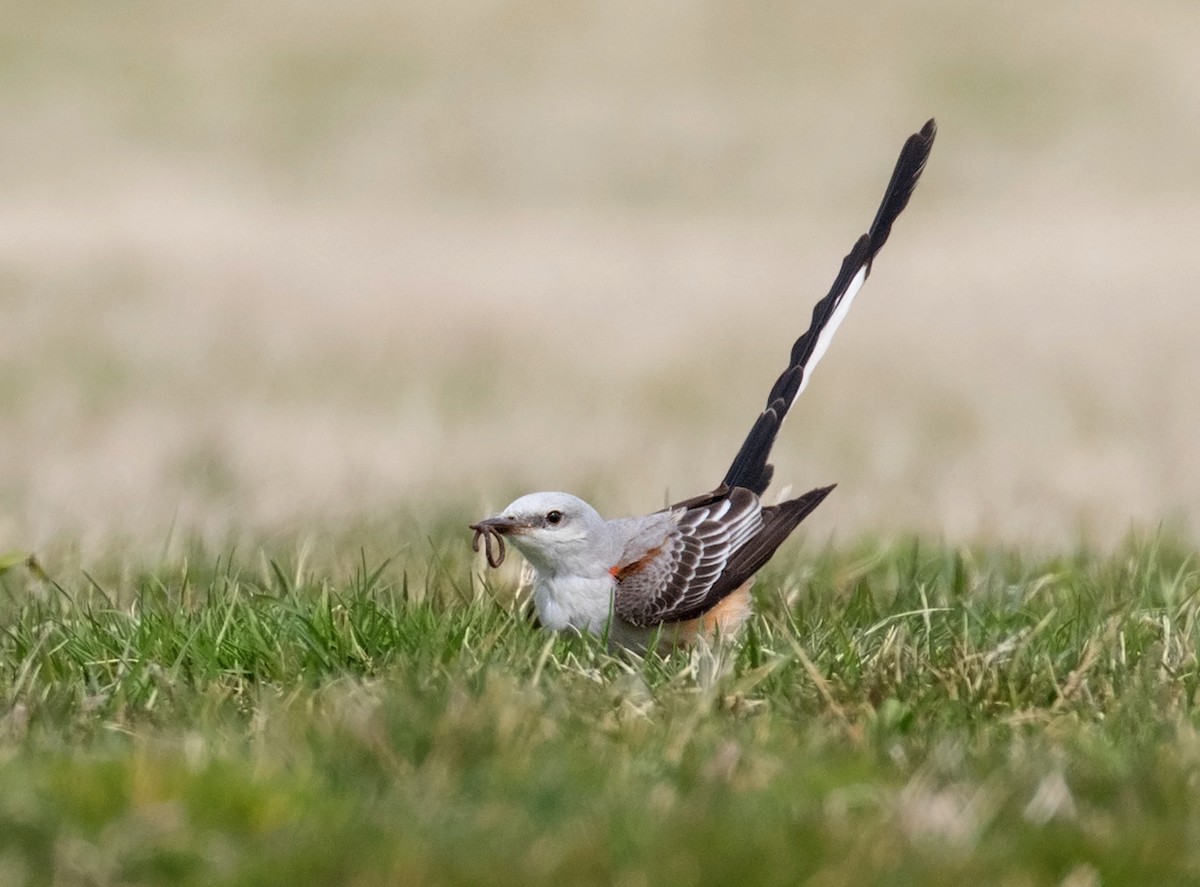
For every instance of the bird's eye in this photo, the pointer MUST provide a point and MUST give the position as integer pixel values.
(554, 517)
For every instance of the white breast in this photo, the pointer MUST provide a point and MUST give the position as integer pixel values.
(577, 602)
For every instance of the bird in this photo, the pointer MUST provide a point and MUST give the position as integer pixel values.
(667, 579)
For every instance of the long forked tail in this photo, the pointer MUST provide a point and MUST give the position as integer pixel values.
(750, 468)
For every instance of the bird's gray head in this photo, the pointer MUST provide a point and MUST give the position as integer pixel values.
(555, 531)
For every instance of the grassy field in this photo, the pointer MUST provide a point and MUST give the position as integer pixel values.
(897, 713)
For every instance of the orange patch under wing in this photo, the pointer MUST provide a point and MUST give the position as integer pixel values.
(620, 572)
(726, 617)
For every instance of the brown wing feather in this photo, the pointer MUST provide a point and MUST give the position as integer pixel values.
(662, 587)
(778, 523)
(709, 554)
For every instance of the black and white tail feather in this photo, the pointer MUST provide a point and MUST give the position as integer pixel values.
(750, 468)
(722, 538)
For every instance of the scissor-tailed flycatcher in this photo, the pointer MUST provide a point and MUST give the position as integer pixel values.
(685, 572)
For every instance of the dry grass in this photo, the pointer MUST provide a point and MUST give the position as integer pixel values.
(307, 264)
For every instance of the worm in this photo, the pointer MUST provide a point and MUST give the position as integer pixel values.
(495, 558)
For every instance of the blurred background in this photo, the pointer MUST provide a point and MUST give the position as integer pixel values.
(286, 267)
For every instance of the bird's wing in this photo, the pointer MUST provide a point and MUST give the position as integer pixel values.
(750, 468)
(673, 578)
(778, 521)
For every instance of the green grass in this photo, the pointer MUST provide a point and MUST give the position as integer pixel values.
(896, 714)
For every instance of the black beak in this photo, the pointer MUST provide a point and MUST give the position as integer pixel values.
(499, 525)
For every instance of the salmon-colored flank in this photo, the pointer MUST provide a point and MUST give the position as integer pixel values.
(724, 619)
